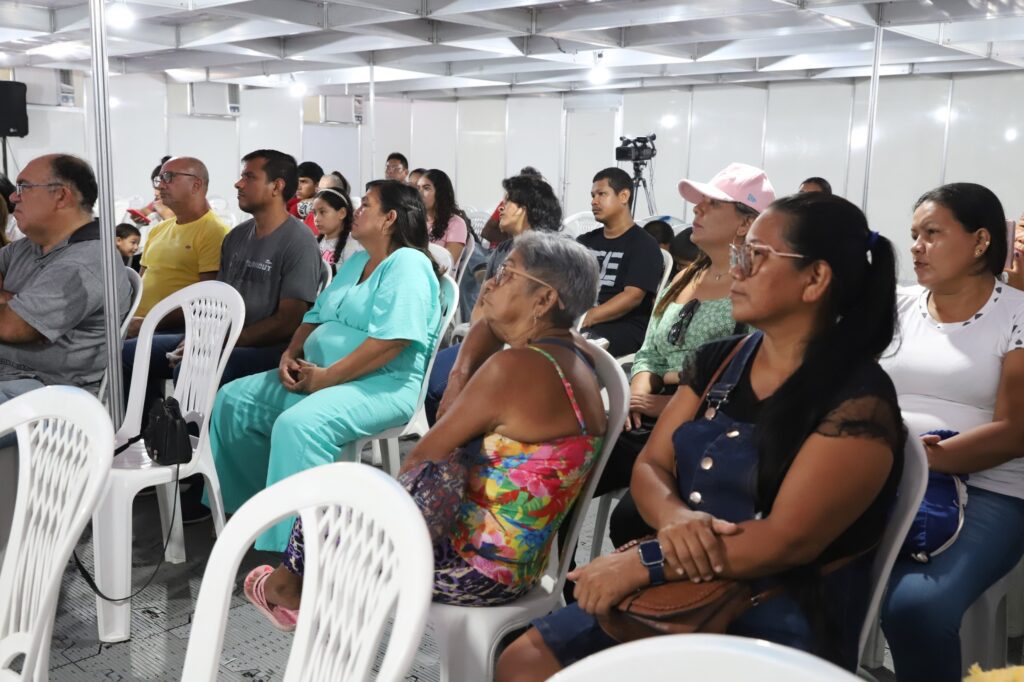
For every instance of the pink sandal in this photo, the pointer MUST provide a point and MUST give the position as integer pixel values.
(254, 588)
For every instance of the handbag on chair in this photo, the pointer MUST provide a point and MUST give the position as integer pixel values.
(940, 517)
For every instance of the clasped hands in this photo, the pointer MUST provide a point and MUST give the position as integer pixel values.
(691, 544)
(300, 376)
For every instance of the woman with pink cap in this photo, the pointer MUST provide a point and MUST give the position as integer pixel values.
(693, 310)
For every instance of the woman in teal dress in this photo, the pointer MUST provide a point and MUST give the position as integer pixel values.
(353, 368)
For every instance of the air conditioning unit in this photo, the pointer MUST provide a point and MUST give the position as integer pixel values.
(50, 87)
(333, 109)
(204, 99)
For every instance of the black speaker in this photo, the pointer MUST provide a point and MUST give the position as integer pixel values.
(13, 111)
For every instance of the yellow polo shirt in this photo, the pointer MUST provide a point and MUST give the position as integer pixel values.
(176, 254)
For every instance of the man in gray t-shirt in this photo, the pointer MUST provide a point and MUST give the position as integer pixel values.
(51, 290)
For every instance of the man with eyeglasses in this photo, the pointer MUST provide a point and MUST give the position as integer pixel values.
(396, 167)
(185, 249)
(51, 290)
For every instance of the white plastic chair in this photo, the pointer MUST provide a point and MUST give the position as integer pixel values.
(135, 280)
(64, 443)
(369, 556)
(467, 252)
(418, 424)
(722, 658)
(214, 315)
(326, 276)
(442, 256)
(468, 637)
(579, 223)
(666, 272)
(911, 491)
(983, 629)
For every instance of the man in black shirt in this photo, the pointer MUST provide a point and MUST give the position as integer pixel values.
(631, 266)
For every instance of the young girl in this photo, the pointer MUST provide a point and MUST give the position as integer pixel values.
(332, 215)
(446, 224)
(127, 241)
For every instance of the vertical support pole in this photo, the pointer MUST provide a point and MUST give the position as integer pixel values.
(872, 112)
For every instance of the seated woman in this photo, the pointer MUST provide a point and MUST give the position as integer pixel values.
(527, 427)
(691, 311)
(354, 366)
(446, 222)
(792, 463)
(959, 366)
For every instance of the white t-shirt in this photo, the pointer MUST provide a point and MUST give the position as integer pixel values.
(946, 374)
(327, 247)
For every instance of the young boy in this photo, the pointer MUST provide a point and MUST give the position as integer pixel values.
(127, 241)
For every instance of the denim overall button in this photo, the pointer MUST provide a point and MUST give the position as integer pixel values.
(732, 434)
(707, 463)
(695, 497)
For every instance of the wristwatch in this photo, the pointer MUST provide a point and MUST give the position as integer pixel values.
(652, 557)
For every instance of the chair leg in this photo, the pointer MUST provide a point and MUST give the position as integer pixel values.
(377, 459)
(350, 451)
(112, 561)
(983, 630)
(392, 457)
(873, 655)
(209, 472)
(461, 651)
(604, 507)
(165, 497)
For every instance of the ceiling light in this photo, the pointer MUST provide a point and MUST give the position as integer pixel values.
(1010, 134)
(119, 15)
(669, 121)
(297, 89)
(599, 75)
(61, 50)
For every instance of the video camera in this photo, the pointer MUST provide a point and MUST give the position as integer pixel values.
(637, 149)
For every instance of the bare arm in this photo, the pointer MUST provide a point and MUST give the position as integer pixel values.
(455, 249)
(288, 368)
(277, 328)
(991, 444)
(13, 329)
(480, 343)
(369, 356)
(492, 232)
(615, 307)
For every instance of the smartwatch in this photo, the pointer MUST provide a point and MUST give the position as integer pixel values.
(652, 557)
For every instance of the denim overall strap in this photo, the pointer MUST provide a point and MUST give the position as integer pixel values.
(722, 387)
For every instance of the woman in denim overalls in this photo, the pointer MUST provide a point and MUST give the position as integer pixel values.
(789, 462)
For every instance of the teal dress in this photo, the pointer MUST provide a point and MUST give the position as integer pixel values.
(261, 433)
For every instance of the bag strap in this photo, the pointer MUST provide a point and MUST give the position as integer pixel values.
(131, 441)
(722, 367)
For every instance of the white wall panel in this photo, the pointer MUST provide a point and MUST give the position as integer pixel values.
(392, 131)
(139, 133)
(50, 130)
(666, 113)
(807, 133)
(986, 140)
(728, 125)
(271, 119)
(433, 135)
(480, 153)
(335, 148)
(535, 137)
(907, 157)
(590, 146)
(215, 142)
(857, 156)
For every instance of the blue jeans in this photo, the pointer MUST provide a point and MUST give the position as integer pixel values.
(437, 382)
(925, 603)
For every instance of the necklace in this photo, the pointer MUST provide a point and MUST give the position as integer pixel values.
(717, 276)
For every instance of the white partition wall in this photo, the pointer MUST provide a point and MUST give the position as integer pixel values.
(590, 146)
(534, 137)
(433, 135)
(271, 119)
(667, 114)
(335, 148)
(393, 130)
(51, 129)
(480, 153)
(139, 132)
(215, 141)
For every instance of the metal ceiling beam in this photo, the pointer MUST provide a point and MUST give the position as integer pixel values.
(639, 12)
(286, 11)
(227, 30)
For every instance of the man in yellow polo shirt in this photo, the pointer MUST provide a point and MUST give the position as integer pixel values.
(185, 249)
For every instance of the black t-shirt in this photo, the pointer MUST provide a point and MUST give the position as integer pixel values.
(633, 259)
(865, 407)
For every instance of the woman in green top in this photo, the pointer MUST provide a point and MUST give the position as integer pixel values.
(691, 311)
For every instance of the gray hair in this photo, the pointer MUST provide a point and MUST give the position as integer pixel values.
(569, 267)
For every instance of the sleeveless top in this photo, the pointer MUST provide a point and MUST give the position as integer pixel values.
(518, 495)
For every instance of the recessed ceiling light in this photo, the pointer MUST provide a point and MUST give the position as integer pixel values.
(119, 15)
(297, 89)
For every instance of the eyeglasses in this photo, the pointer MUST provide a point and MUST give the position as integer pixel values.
(742, 257)
(501, 276)
(167, 177)
(20, 188)
(677, 332)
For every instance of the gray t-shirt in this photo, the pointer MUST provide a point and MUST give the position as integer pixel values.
(60, 295)
(284, 264)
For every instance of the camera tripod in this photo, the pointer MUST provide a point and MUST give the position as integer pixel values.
(639, 181)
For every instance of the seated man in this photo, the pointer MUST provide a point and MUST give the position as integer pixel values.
(52, 327)
(183, 250)
(630, 262)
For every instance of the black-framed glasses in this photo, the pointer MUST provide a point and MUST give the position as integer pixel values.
(742, 256)
(167, 177)
(677, 332)
(20, 188)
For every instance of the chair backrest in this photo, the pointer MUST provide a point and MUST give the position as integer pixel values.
(613, 380)
(723, 658)
(467, 253)
(325, 276)
(449, 304)
(911, 489)
(135, 279)
(442, 256)
(214, 315)
(579, 223)
(65, 441)
(367, 555)
(667, 265)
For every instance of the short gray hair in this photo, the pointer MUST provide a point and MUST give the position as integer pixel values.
(569, 267)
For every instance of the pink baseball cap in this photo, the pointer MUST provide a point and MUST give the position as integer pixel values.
(736, 182)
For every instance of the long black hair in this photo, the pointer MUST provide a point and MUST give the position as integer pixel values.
(445, 205)
(410, 228)
(975, 207)
(338, 199)
(857, 323)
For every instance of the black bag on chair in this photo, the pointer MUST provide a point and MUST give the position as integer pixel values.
(167, 439)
